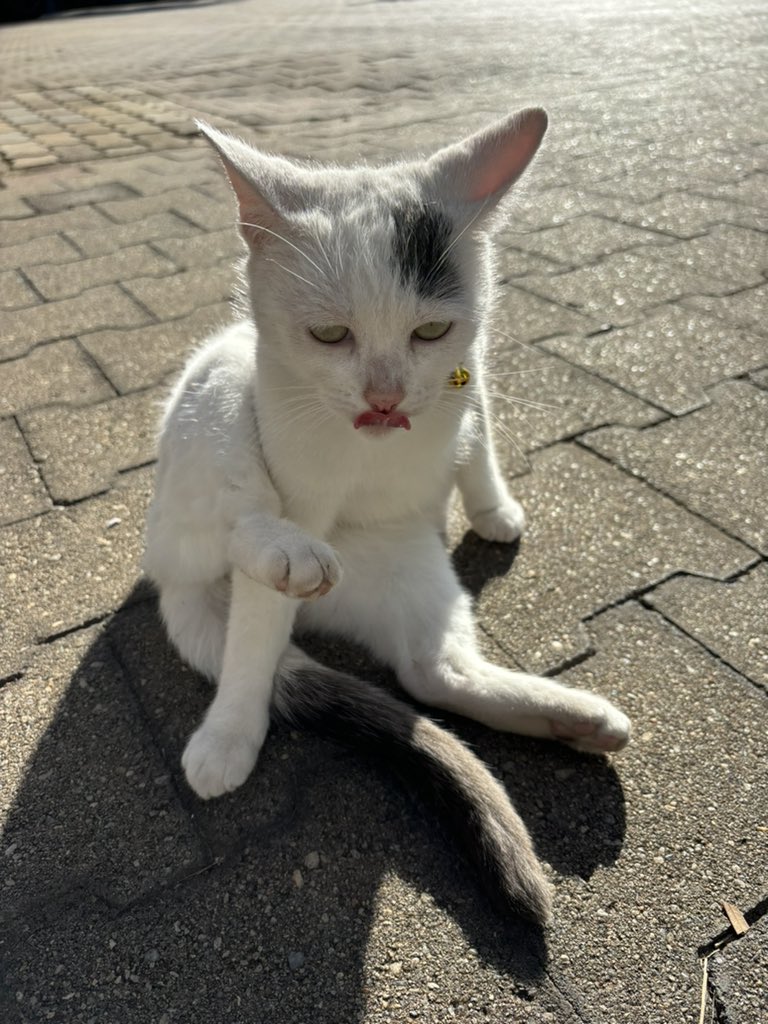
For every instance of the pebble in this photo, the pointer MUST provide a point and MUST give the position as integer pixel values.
(312, 860)
(295, 960)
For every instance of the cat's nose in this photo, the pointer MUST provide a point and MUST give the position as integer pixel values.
(383, 401)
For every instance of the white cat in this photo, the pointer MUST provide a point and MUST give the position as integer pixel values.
(306, 460)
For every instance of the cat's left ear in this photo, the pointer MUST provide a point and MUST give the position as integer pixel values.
(484, 166)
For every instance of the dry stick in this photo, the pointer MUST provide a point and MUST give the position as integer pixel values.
(704, 970)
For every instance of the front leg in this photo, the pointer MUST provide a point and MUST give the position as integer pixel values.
(493, 512)
(222, 752)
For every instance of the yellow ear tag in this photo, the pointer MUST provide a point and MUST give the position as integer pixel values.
(459, 377)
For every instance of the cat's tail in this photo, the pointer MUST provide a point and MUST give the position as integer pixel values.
(431, 761)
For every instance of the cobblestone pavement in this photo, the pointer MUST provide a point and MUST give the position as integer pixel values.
(633, 300)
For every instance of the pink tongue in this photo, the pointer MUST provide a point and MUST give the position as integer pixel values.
(382, 419)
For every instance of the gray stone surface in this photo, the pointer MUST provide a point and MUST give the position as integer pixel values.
(319, 891)
(22, 492)
(729, 618)
(668, 358)
(713, 461)
(595, 534)
(80, 451)
(51, 373)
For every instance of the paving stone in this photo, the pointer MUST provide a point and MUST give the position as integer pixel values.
(623, 285)
(735, 254)
(713, 461)
(760, 378)
(11, 208)
(203, 250)
(751, 190)
(201, 210)
(669, 358)
(96, 309)
(747, 960)
(514, 263)
(45, 249)
(22, 492)
(51, 373)
(134, 359)
(15, 293)
(693, 835)
(20, 232)
(522, 316)
(586, 239)
(544, 399)
(66, 200)
(729, 618)
(746, 308)
(185, 291)
(78, 765)
(69, 567)
(595, 535)
(59, 281)
(112, 238)
(80, 451)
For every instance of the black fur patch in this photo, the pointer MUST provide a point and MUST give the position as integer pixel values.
(422, 235)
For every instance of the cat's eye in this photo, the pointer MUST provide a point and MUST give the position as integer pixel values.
(433, 330)
(330, 335)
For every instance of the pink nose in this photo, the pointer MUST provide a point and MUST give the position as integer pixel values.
(383, 401)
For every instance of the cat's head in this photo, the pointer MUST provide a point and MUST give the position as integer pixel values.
(368, 284)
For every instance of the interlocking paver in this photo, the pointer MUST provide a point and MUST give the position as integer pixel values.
(45, 249)
(746, 308)
(134, 359)
(22, 492)
(70, 566)
(586, 239)
(691, 792)
(75, 756)
(81, 450)
(200, 209)
(93, 310)
(712, 461)
(669, 358)
(729, 618)
(57, 201)
(61, 280)
(112, 237)
(20, 232)
(15, 292)
(186, 291)
(59, 372)
(573, 561)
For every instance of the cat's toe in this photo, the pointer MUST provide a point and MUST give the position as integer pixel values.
(503, 524)
(310, 571)
(604, 730)
(216, 761)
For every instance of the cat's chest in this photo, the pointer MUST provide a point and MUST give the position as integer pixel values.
(363, 481)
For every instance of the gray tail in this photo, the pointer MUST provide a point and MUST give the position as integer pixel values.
(430, 761)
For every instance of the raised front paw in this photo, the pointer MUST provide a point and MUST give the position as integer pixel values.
(590, 723)
(217, 759)
(303, 568)
(505, 523)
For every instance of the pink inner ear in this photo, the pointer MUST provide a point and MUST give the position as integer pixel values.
(501, 157)
(254, 211)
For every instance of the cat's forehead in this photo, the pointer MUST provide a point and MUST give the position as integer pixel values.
(390, 235)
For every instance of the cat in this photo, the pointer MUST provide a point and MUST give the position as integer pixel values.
(306, 458)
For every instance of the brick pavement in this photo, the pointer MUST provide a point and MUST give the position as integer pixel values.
(631, 324)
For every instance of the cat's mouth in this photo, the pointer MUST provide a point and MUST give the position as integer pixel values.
(371, 418)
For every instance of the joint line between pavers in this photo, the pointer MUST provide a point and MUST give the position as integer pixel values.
(36, 462)
(154, 318)
(671, 497)
(92, 361)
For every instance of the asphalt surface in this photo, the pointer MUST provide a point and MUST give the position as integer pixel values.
(632, 295)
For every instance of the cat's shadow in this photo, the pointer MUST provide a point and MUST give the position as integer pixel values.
(296, 873)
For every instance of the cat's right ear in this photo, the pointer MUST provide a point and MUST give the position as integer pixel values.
(252, 181)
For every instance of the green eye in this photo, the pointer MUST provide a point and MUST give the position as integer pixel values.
(433, 330)
(329, 335)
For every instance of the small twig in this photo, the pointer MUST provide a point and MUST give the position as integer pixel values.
(704, 979)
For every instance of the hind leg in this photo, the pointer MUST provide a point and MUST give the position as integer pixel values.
(400, 597)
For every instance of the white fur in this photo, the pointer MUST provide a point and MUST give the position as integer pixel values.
(270, 505)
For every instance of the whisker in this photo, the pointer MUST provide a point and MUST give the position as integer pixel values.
(294, 274)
